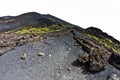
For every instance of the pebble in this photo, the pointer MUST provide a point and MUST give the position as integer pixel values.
(49, 55)
(23, 56)
(40, 54)
(68, 69)
(113, 77)
(69, 49)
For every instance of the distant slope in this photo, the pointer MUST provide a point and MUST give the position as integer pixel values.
(41, 20)
(99, 33)
(31, 18)
(57, 20)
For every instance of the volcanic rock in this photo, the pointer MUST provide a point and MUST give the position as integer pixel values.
(95, 56)
(23, 56)
(40, 54)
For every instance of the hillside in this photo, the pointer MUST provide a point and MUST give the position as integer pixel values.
(35, 46)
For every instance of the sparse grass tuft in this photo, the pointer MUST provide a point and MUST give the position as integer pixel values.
(39, 30)
(109, 44)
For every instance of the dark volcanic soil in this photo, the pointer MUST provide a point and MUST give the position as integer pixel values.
(55, 65)
(60, 53)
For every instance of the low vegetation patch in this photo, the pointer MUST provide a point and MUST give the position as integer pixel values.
(109, 44)
(39, 30)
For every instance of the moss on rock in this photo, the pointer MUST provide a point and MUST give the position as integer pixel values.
(109, 44)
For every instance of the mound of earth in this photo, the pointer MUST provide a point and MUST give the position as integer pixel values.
(34, 46)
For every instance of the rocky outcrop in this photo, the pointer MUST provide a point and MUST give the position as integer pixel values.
(9, 41)
(95, 57)
(110, 43)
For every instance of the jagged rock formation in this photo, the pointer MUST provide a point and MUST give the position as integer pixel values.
(95, 56)
(99, 49)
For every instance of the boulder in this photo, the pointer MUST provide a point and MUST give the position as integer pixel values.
(23, 56)
(95, 56)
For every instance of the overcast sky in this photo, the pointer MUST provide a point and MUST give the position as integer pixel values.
(104, 14)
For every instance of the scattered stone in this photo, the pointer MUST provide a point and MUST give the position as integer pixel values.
(40, 54)
(49, 55)
(23, 56)
(113, 77)
(69, 49)
(68, 69)
(47, 43)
